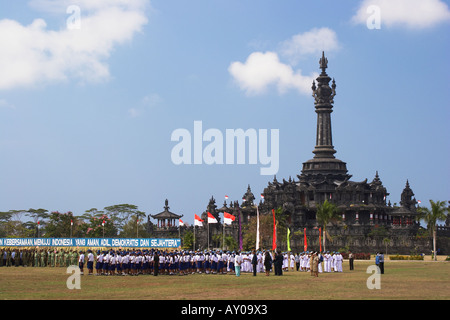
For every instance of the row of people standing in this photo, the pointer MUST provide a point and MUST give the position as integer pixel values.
(49, 257)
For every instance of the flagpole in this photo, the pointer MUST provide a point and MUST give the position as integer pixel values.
(194, 236)
(257, 228)
(223, 236)
(208, 235)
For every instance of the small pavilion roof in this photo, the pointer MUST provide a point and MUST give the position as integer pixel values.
(166, 214)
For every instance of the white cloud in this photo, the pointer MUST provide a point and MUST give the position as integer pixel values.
(148, 102)
(309, 43)
(34, 55)
(413, 14)
(262, 70)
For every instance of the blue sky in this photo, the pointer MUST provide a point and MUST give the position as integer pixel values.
(86, 114)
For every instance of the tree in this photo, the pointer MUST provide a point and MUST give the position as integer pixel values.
(188, 240)
(432, 216)
(327, 212)
(38, 216)
(120, 214)
(134, 228)
(58, 225)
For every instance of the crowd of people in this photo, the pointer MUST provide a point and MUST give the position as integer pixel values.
(143, 261)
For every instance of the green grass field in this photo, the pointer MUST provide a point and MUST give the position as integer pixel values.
(405, 280)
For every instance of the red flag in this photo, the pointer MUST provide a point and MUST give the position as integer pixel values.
(274, 241)
(305, 245)
(211, 218)
(198, 221)
(320, 239)
(228, 218)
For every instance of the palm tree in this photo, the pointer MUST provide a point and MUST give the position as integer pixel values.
(327, 212)
(431, 217)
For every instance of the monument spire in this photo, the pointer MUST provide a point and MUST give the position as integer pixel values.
(323, 99)
(324, 161)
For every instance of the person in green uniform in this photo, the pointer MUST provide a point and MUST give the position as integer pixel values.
(66, 259)
(8, 258)
(36, 258)
(42, 258)
(75, 258)
(52, 258)
(60, 257)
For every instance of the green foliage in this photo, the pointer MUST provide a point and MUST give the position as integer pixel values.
(412, 257)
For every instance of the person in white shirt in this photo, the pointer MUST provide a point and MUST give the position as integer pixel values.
(292, 260)
(81, 262)
(99, 264)
(339, 260)
(237, 264)
(90, 262)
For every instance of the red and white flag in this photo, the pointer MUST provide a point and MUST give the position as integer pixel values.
(419, 202)
(211, 218)
(181, 223)
(103, 223)
(226, 197)
(262, 196)
(71, 222)
(198, 221)
(228, 218)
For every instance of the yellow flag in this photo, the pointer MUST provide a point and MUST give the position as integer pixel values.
(288, 244)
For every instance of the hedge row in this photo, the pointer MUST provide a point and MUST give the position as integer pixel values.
(399, 257)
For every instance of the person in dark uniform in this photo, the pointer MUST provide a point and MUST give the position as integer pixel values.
(156, 263)
(278, 263)
(350, 260)
(267, 262)
(254, 262)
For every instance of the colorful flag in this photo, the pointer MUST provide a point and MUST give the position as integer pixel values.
(198, 221)
(211, 218)
(180, 223)
(274, 237)
(71, 222)
(320, 239)
(419, 202)
(262, 196)
(305, 242)
(103, 223)
(226, 197)
(228, 218)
